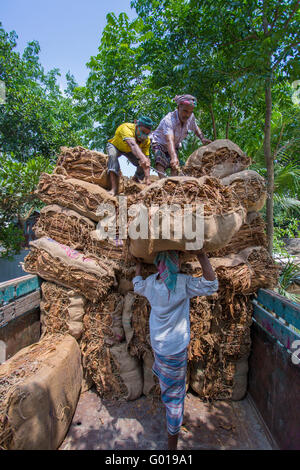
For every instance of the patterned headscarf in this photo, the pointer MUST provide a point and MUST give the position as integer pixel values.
(185, 99)
(145, 121)
(167, 263)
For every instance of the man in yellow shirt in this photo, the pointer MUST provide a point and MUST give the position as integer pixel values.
(131, 140)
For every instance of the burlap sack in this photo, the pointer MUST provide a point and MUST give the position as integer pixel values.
(62, 310)
(84, 164)
(40, 388)
(218, 159)
(52, 261)
(249, 187)
(223, 215)
(111, 248)
(151, 384)
(251, 233)
(240, 379)
(64, 225)
(129, 369)
(75, 194)
(135, 319)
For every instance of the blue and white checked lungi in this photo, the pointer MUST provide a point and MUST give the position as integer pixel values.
(171, 373)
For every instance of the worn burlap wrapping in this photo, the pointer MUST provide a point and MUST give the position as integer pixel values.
(223, 215)
(135, 319)
(65, 226)
(84, 164)
(246, 271)
(40, 387)
(103, 320)
(249, 187)
(116, 374)
(217, 159)
(216, 381)
(251, 233)
(81, 196)
(52, 261)
(111, 248)
(62, 310)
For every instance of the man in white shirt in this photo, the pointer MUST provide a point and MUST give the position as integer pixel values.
(172, 130)
(169, 293)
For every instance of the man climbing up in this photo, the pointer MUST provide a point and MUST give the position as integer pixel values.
(172, 130)
(131, 140)
(169, 293)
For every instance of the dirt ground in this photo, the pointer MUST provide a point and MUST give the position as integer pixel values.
(141, 425)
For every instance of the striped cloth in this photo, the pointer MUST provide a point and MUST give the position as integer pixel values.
(171, 373)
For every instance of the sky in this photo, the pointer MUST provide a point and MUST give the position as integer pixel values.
(68, 32)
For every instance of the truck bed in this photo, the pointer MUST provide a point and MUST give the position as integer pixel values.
(140, 425)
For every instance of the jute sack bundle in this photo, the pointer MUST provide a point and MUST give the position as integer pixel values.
(235, 374)
(75, 194)
(223, 216)
(52, 261)
(219, 381)
(217, 159)
(64, 225)
(62, 310)
(246, 271)
(40, 387)
(111, 248)
(135, 319)
(103, 321)
(251, 233)
(83, 164)
(150, 384)
(116, 374)
(249, 187)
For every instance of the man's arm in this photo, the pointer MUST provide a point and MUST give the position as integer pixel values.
(207, 269)
(200, 135)
(144, 160)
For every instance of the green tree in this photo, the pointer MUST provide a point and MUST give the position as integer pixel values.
(37, 117)
(18, 181)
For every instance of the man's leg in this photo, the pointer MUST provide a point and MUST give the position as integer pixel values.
(161, 171)
(172, 441)
(139, 173)
(113, 168)
(162, 160)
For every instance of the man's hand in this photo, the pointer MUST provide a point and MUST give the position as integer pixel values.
(174, 163)
(138, 267)
(206, 141)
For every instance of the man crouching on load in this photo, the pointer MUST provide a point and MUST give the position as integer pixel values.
(169, 293)
(172, 130)
(131, 140)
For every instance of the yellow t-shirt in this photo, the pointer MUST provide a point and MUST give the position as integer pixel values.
(126, 131)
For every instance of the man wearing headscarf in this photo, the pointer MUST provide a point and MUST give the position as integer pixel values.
(131, 140)
(172, 130)
(169, 293)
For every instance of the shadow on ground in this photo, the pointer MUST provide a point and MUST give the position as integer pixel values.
(141, 425)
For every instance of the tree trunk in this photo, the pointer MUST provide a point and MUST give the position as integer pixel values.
(213, 121)
(269, 164)
(228, 120)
